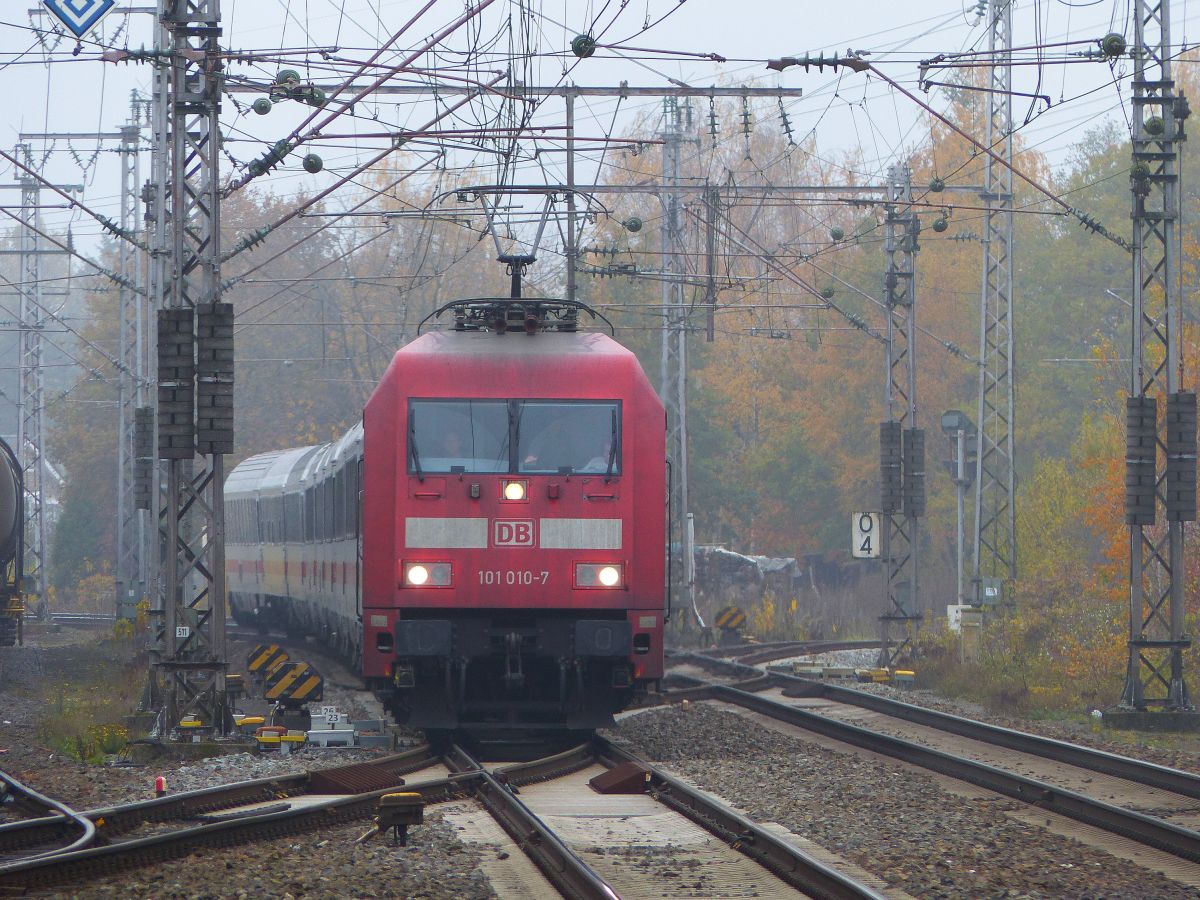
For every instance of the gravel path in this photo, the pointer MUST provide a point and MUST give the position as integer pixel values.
(931, 844)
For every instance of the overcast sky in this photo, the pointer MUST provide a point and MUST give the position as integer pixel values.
(844, 110)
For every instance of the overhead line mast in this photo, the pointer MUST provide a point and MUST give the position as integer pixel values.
(995, 540)
(902, 443)
(1167, 483)
(195, 373)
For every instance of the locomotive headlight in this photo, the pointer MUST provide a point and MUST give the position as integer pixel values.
(514, 490)
(599, 575)
(425, 574)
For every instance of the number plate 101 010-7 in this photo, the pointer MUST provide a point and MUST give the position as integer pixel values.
(513, 577)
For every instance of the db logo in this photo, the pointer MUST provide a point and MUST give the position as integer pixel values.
(512, 532)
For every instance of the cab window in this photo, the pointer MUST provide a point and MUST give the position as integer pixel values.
(458, 436)
(568, 437)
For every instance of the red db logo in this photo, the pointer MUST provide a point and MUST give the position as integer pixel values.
(512, 532)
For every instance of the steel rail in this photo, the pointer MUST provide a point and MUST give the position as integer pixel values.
(569, 874)
(66, 813)
(1125, 767)
(770, 654)
(1101, 761)
(776, 855)
(547, 768)
(119, 819)
(1182, 842)
(63, 867)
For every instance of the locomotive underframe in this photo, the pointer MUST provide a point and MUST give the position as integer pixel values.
(477, 670)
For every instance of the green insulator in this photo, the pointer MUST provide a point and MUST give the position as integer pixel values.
(287, 76)
(633, 224)
(837, 233)
(262, 106)
(313, 163)
(827, 292)
(282, 149)
(936, 185)
(583, 45)
(1113, 44)
(940, 224)
(255, 168)
(1154, 125)
(1139, 171)
(315, 97)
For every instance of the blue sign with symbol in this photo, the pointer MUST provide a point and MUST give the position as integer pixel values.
(79, 15)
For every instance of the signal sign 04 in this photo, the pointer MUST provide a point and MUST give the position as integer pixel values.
(79, 15)
(864, 535)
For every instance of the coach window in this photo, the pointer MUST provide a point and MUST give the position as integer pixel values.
(458, 436)
(568, 437)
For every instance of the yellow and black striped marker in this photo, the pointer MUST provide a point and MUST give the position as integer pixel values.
(263, 658)
(731, 618)
(295, 682)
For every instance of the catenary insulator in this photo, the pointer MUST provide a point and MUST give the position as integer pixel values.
(583, 45)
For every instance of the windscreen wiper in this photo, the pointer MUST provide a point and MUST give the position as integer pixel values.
(612, 449)
(412, 445)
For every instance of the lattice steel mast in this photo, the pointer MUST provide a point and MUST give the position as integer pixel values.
(675, 315)
(995, 545)
(1155, 675)
(131, 380)
(195, 372)
(31, 434)
(902, 444)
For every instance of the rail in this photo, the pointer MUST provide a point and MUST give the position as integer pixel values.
(1182, 842)
(787, 862)
(569, 874)
(73, 865)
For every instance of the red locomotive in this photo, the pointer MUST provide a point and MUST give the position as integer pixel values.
(490, 541)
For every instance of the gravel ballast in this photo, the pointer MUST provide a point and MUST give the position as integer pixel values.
(322, 866)
(899, 825)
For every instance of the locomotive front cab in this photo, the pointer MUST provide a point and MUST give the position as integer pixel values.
(528, 543)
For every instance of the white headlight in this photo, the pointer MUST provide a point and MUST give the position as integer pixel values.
(426, 574)
(599, 575)
(514, 490)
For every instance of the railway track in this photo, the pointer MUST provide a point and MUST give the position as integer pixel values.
(531, 802)
(149, 831)
(605, 845)
(758, 654)
(44, 809)
(1153, 805)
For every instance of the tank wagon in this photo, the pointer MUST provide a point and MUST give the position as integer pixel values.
(489, 543)
(12, 547)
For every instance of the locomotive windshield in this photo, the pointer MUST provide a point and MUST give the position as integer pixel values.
(458, 436)
(553, 436)
(526, 436)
